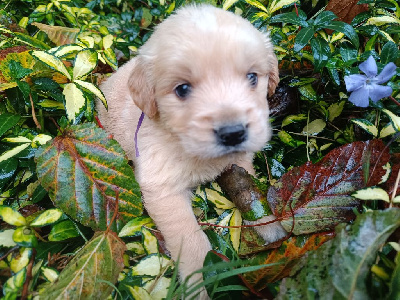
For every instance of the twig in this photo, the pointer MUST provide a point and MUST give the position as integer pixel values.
(396, 185)
(241, 226)
(8, 252)
(394, 100)
(34, 114)
(29, 277)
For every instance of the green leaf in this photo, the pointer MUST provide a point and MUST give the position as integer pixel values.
(110, 57)
(288, 139)
(21, 260)
(152, 265)
(228, 3)
(49, 273)
(393, 118)
(308, 92)
(62, 231)
(6, 239)
(48, 217)
(291, 18)
(13, 152)
(17, 71)
(11, 216)
(234, 233)
(25, 237)
(218, 199)
(372, 193)
(303, 37)
(389, 53)
(293, 119)
(15, 282)
(74, 100)
(387, 130)
(7, 170)
(382, 20)
(52, 61)
(100, 261)
(367, 126)
(324, 18)
(93, 89)
(321, 52)
(83, 170)
(134, 226)
(345, 28)
(278, 4)
(51, 104)
(258, 5)
(348, 53)
(341, 267)
(31, 41)
(7, 85)
(314, 127)
(85, 62)
(150, 242)
(66, 50)
(335, 110)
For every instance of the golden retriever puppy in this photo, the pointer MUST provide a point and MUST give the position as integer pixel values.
(201, 80)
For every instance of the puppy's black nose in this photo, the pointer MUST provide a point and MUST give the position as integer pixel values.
(231, 135)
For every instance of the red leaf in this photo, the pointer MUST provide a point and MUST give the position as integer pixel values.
(319, 195)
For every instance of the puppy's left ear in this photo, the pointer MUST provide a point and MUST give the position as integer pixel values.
(273, 76)
(141, 86)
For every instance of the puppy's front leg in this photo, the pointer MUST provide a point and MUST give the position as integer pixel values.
(174, 217)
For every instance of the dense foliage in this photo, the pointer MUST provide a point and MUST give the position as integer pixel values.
(70, 210)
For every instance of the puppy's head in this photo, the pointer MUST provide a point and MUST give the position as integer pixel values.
(204, 76)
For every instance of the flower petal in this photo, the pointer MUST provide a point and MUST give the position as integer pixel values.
(377, 92)
(388, 72)
(360, 97)
(369, 67)
(354, 81)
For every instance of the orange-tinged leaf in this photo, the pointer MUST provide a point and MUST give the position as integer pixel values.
(83, 170)
(285, 257)
(59, 35)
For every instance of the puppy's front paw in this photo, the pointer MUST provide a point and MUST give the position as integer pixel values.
(271, 232)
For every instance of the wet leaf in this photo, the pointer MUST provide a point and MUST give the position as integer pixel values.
(320, 194)
(88, 274)
(286, 256)
(7, 121)
(82, 170)
(62, 231)
(347, 259)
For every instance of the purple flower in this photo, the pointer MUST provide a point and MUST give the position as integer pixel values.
(364, 87)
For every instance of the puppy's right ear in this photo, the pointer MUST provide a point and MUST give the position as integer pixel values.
(141, 86)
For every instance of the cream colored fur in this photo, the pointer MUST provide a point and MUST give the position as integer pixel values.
(213, 51)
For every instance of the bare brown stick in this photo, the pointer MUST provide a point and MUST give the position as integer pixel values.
(25, 289)
(34, 113)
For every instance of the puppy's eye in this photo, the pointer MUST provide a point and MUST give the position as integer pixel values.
(183, 90)
(252, 78)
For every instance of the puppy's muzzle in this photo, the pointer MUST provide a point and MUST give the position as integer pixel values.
(231, 135)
